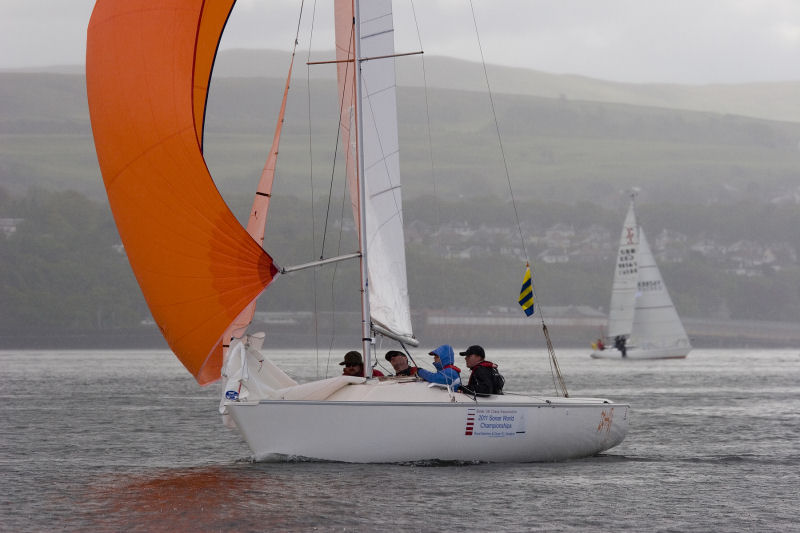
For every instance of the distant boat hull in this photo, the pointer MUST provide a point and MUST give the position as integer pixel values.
(372, 423)
(638, 354)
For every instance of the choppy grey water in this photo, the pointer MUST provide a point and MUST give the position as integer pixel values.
(113, 441)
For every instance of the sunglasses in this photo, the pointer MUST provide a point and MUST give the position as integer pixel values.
(351, 366)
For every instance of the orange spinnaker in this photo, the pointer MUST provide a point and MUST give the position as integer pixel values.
(147, 70)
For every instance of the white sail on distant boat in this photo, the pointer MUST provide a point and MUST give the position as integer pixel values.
(148, 68)
(642, 320)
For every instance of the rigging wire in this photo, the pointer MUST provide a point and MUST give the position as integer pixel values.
(497, 129)
(327, 210)
(558, 378)
(344, 201)
(336, 268)
(554, 368)
(311, 186)
(328, 204)
(443, 278)
(335, 151)
(405, 349)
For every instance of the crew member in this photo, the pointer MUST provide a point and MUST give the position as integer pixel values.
(447, 373)
(485, 379)
(354, 365)
(399, 362)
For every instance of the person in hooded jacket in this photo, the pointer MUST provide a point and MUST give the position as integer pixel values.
(447, 373)
(482, 380)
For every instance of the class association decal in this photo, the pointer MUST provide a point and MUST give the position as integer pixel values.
(494, 422)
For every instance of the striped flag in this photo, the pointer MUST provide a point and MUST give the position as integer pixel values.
(526, 293)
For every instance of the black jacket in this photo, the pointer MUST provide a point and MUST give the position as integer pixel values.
(482, 381)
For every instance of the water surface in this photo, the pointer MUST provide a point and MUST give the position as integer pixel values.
(113, 440)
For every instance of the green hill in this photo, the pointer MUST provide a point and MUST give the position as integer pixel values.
(558, 149)
(772, 101)
(707, 175)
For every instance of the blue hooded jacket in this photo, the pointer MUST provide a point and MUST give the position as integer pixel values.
(447, 373)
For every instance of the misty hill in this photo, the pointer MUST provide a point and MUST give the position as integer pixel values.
(556, 148)
(714, 178)
(766, 100)
(773, 101)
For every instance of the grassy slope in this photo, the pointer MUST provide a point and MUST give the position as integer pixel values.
(555, 148)
(560, 152)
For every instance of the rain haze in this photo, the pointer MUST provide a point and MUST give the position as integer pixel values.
(685, 42)
(120, 193)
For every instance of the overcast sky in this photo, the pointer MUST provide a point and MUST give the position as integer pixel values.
(677, 41)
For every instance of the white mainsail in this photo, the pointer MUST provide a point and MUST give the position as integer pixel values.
(386, 261)
(623, 291)
(656, 324)
(641, 310)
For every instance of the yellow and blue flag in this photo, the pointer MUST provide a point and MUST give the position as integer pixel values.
(526, 293)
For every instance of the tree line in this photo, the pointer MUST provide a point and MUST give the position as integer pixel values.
(63, 267)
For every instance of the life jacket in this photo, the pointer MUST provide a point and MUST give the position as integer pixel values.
(454, 367)
(498, 381)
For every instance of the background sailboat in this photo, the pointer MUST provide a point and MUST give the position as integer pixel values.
(641, 311)
(147, 76)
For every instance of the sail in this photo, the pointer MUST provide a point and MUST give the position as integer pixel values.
(212, 21)
(388, 289)
(623, 290)
(656, 323)
(256, 224)
(147, 70)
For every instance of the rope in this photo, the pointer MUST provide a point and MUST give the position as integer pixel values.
(409, 354)
(443, 278)
(555, 371)
(311, 186)
(497, 129)
(328, 205)
(554, 368)
(335, 153)
(341, 211)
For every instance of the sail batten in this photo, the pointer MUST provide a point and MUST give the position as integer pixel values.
(147, 71)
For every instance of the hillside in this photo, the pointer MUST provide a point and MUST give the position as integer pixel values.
(720, 196)
(771, 101)
(560, 149)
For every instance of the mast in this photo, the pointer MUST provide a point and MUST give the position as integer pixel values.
(366, 329)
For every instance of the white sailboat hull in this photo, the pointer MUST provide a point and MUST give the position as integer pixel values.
(646, 353)
(395, 422)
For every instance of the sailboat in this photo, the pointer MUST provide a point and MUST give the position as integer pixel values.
(148, 70)
(642, 321)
